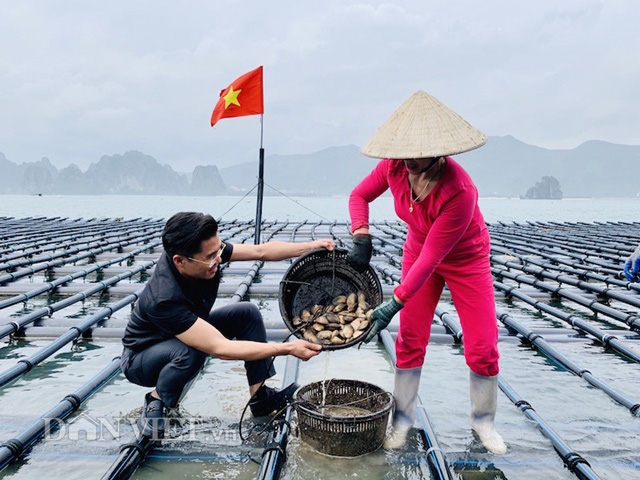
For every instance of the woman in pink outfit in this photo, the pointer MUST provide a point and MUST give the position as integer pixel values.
(447, 242)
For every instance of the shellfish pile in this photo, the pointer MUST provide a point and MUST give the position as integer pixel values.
(342, 321)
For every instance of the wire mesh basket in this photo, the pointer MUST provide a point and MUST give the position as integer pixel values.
(343, 436)
(316, 278)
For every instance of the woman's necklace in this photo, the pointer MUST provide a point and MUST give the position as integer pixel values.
(418, 196)
(411, 199)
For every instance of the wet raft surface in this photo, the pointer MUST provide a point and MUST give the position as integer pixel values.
(75, 279)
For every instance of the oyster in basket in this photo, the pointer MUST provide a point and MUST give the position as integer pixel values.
(342, 321)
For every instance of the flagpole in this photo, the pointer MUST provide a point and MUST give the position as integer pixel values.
(260, 186)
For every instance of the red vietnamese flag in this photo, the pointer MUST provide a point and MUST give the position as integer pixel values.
(242, 97)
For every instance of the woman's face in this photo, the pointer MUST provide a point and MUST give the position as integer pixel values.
(415, 165)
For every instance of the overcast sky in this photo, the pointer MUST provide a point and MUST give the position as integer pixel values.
(80, 79)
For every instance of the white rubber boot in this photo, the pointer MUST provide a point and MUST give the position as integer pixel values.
(484, 400)
(405, 393)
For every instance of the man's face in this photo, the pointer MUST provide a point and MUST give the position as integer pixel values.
(204, 264)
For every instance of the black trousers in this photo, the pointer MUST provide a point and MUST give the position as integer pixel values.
(171, 364)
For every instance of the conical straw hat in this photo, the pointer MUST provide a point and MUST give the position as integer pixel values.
(423, 127)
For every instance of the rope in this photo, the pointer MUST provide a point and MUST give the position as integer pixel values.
(236, 204)
(348, 403)
(244, 410)
(304, 206)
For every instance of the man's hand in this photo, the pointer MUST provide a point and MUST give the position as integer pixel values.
(632, 266)
(304, 350)
(381, 317)
(328, 244)
(360, 254)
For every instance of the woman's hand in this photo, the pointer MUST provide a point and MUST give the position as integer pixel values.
(360, 254)
(382, 315)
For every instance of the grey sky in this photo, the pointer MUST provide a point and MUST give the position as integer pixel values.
(82, 79)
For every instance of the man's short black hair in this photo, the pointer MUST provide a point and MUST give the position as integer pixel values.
(184, 232)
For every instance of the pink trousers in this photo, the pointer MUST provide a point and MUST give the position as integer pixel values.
(471, 286)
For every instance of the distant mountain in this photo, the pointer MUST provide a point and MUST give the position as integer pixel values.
(332, 171)
(10, 177)
(206, 179)
(506, 166)
(71, 181)
(29, 177)
(548, 188)
(133, 173)
(503, 167)
(38, 177)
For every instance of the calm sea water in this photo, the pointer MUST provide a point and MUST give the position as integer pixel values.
(300, 208)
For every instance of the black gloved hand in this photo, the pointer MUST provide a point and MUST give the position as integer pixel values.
(381, 317)
(360, 253)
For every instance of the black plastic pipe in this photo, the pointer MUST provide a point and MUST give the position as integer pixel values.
(102, 235)
(63, 258)
(13, 264)
(574, 462)
(560, 278)
(274, 454)
(438, 465)
(552, 353)
(26, 364)
(12, 449)
(632, 320)
(17, 324)
(576, 271)
(606, 339)
(50, 286)
(8, 247)
(556, 255)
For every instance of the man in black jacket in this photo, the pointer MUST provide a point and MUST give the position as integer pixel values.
(173, 328)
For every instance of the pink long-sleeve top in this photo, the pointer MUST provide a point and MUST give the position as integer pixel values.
(447, 225)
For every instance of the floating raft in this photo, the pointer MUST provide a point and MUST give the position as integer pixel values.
(568, 336)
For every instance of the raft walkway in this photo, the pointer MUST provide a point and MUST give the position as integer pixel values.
(560, 293)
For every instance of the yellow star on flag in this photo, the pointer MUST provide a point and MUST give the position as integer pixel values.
(231, 97)
(247, 86)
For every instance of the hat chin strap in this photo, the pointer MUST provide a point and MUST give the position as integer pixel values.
(430, 166)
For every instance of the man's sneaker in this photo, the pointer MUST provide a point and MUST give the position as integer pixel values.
(268, 400)
(153, 419)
